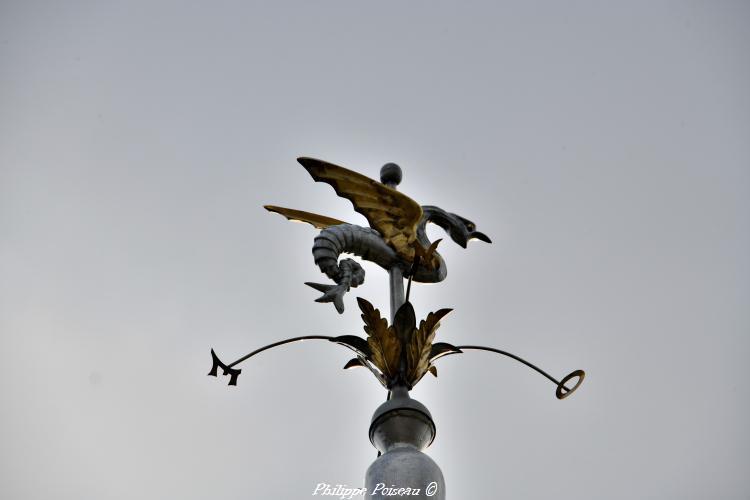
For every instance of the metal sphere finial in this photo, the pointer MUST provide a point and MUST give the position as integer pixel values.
(390, 174)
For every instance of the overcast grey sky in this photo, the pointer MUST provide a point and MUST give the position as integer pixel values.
(604, 146)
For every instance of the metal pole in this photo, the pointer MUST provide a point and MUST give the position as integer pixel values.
(402, 427)
(391, 176)
(396, 277)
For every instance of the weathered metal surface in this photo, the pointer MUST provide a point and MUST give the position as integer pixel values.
(391, 213)
(391, 175)
(400, 429)
(384, 344)
(396, 286)
(318, 221)
(398, 355)
(396, 235)
(420, 345)
(402, 352)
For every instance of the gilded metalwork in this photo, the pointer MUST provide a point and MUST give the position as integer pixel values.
(385, 345)
(420, 346)
(396, 235)
(401, 353)
(391, 213)
(317, 221)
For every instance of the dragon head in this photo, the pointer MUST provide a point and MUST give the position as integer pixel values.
(463, 230)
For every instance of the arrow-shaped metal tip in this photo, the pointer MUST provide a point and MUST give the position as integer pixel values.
(233, 374)
(228, 370)
(215, 366)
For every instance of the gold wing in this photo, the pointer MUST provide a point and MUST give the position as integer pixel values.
(319, 221)
(393, 214)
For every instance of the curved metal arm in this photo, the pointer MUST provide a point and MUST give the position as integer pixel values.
(562, 391)
(356, 344)
(280, 342)
(234, 372)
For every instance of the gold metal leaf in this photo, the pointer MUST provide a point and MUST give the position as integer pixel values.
(385, 348)
(418, 349)
(427, 255)
(440, 349)
(404, 323)
(353, 363)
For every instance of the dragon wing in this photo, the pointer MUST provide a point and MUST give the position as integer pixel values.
(393, 214)
(318, 221)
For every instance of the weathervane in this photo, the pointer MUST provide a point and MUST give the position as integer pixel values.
(399, 354)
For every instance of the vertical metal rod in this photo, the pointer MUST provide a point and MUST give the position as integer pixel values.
(396, 277)
(391, 175)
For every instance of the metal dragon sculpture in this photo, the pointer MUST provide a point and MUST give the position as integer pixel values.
(396, 234)
(401, 353)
